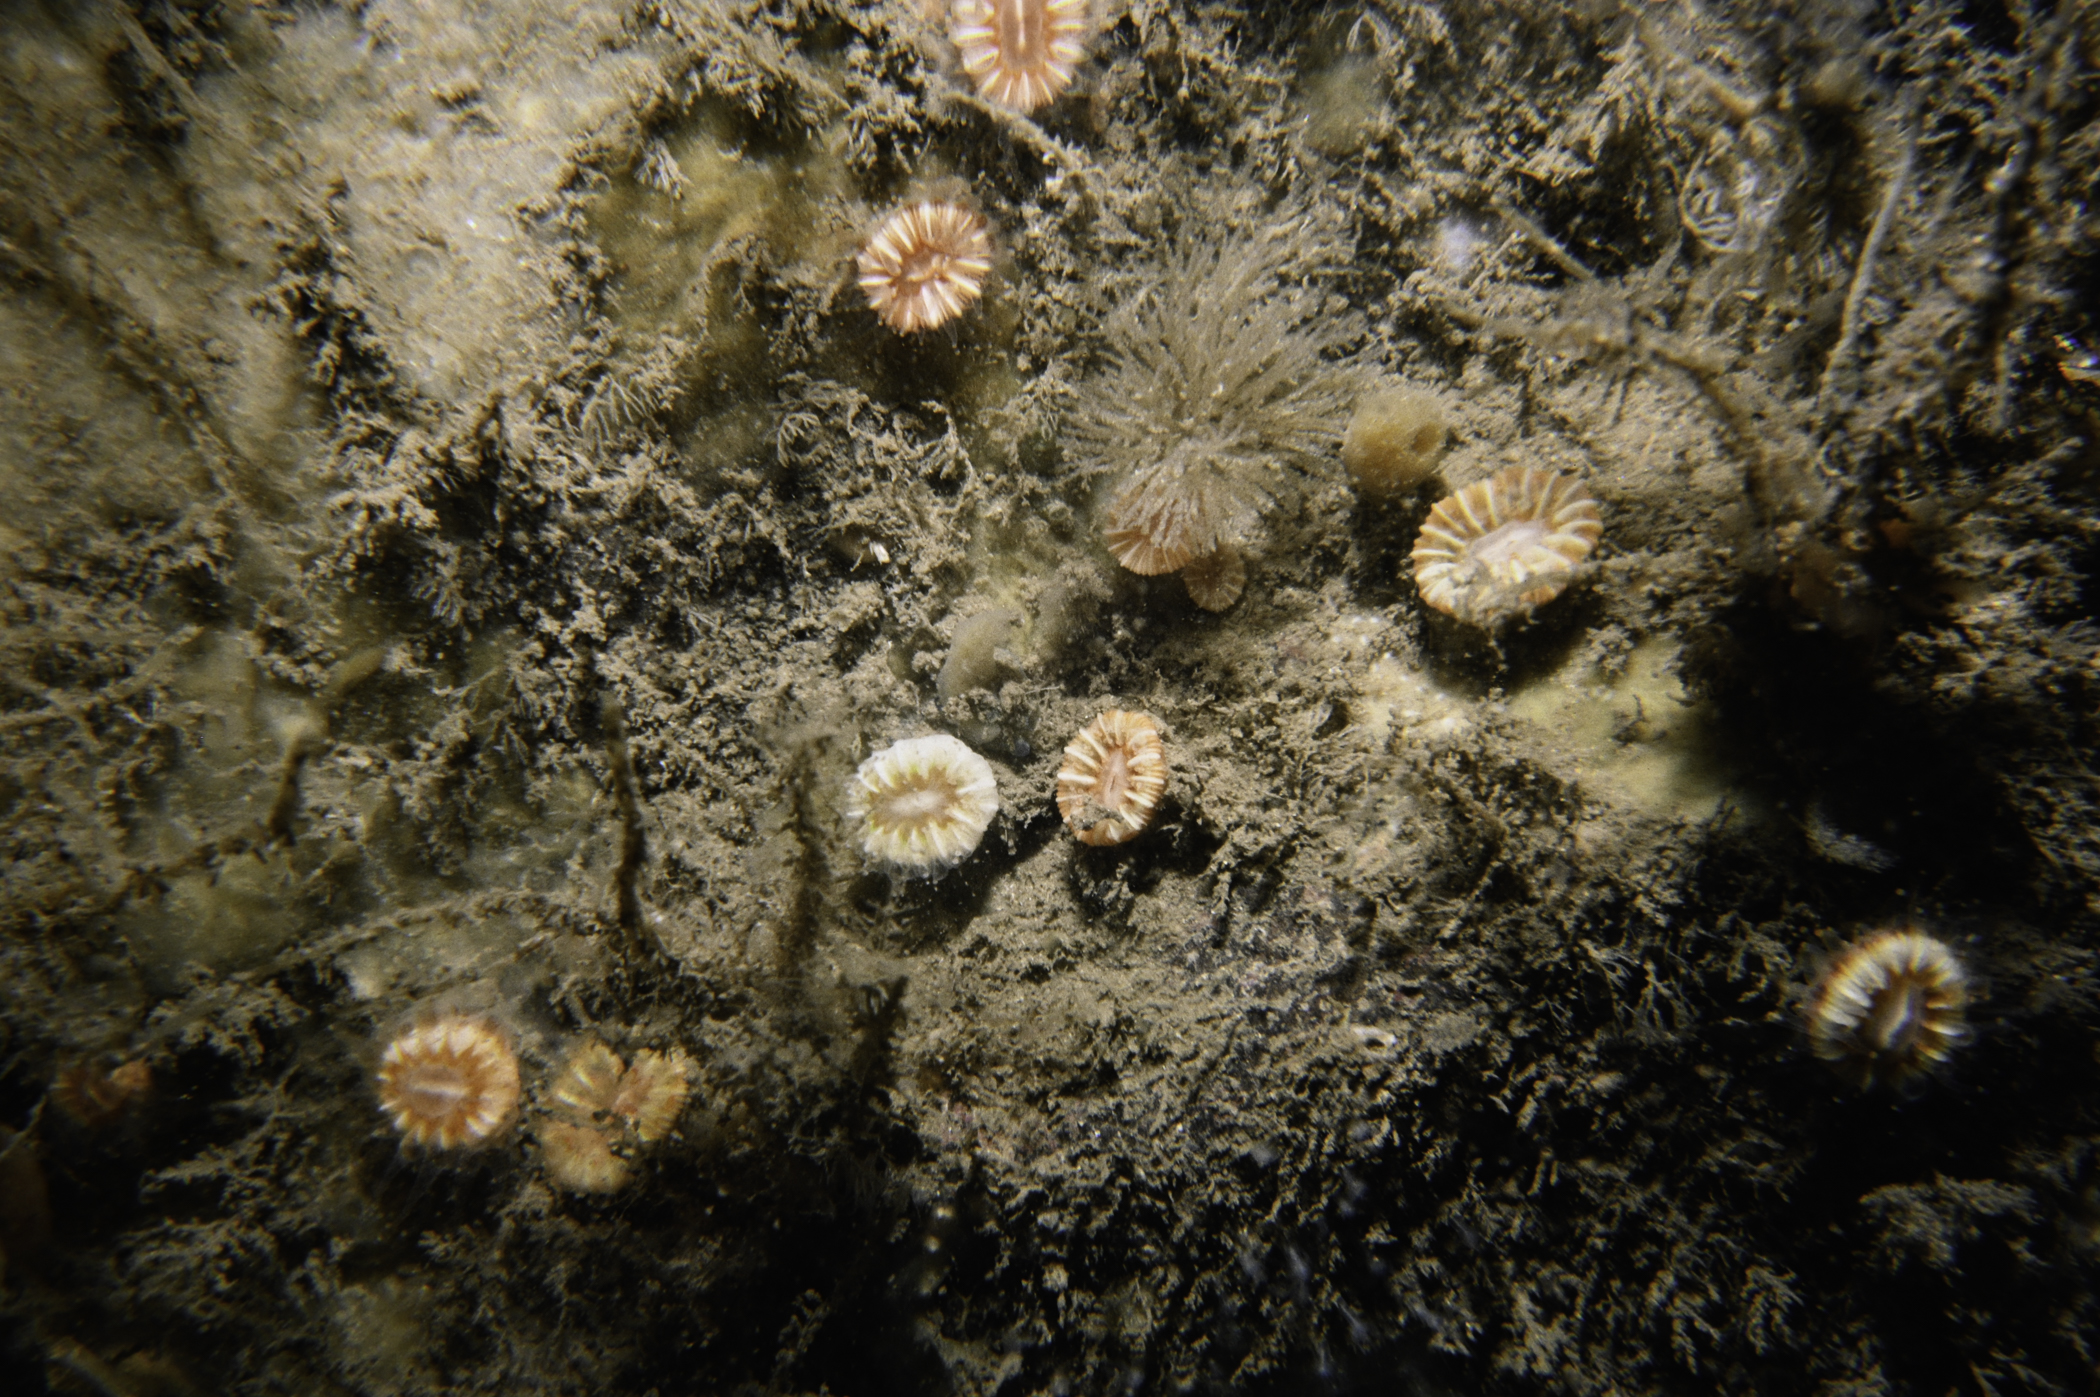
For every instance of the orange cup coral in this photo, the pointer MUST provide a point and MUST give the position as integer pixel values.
(925, 264)
(1889, 1008)
(1019, 53)
(450, 1082)
(1114, 774)
(1503, 546)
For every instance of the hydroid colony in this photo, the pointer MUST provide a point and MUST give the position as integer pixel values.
(1220, 389)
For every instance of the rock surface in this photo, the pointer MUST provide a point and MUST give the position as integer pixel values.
(463, 528)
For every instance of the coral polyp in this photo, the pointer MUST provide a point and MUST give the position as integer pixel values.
(1019, 53)
(589, 1081)
(450, 1082)
(922, 804)
(1502, 547)
(925, 264)
(1889, 1008)
(94, 1094)
(598, 1100)
(1113, 776)
(645, 1096)
(653, 1093)
(580, 1157)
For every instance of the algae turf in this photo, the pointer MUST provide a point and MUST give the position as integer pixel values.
(464, 527)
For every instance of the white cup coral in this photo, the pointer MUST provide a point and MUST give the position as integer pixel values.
(922, 804)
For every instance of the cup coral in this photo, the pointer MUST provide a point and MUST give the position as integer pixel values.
(94, 1094)
(653, 1093)
(1501, 547)
(1113, 776)
(598, 1098)
(922, 804)
(1889, 1008)
(450, 1082)
(925, 264)
(1019, 53)
(1174, 511)
(580, 1157)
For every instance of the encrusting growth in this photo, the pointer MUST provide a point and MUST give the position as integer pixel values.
(1113, 776)
(1393, 440)
(1889, 1008)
